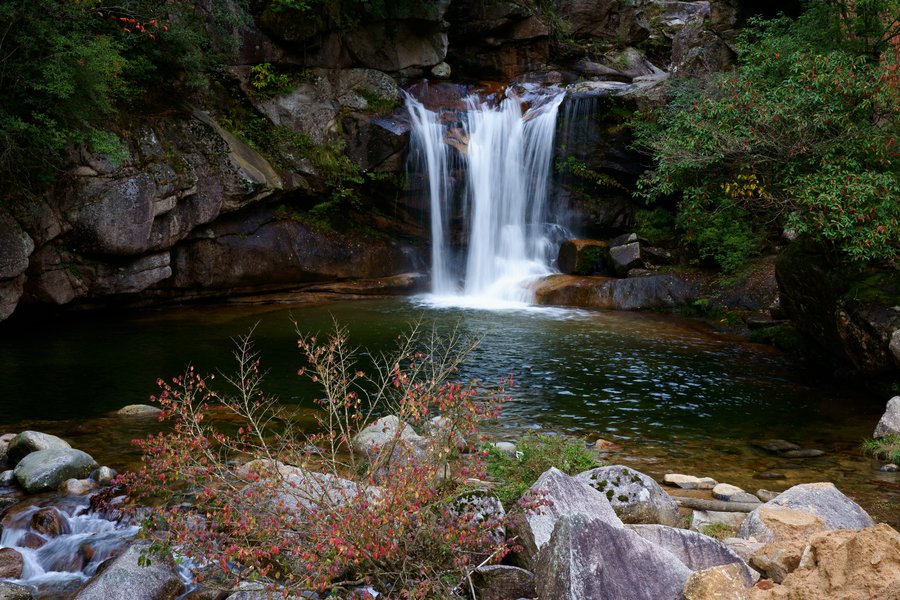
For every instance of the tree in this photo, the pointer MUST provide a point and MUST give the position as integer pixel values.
(801, 135)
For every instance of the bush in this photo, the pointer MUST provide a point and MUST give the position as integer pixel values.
(396, 518)
(535, 453)
(801, 135)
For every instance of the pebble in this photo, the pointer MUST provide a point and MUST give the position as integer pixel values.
(770, 475)
(890, 468)
(689, 482)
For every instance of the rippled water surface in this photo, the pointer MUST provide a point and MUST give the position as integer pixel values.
(673, 393)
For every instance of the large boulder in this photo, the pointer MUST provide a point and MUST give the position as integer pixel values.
(11, 563)
(31, 441)
(634, 293)
(699, 52)
(45, 470)
(583, 257)
(890, 421)
(848, 564)
(503, 582)
(300, 489)
(589, 558)
(384, 432)
(567, 496)
(12, 591)
(15, 247)
(128, 577)
(695, 550)
(821, 500)
(635, 497)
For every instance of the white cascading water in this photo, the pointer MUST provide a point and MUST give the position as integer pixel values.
(507, 154)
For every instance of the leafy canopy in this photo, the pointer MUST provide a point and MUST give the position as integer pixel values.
(802, 134)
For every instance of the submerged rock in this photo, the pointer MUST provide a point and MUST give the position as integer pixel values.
(635, 497)
(45, 470)
(139, 410)
(590, 558)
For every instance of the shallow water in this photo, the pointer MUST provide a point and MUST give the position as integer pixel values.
(675, 394)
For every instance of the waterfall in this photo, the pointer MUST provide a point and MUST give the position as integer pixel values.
(505, 150)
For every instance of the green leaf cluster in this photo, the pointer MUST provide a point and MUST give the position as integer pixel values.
(801, 135)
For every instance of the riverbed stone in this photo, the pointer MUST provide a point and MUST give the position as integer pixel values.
(125, 577)
(7, 478)
(139, 410)
(5, 439)
(696, 550)
(104, 475)
(725, 582)
(889, 468)
(689, 482)
(731, 493)
(701, 519)
(503, 582)
(12, 591)
(568, 496)
(776, 445)
(890, 420)
(11, 563)
(589, 558)
(822, 500)
(76, 487)
(32, 441)
(635, 497)
(804, 453)
(44, 470)
(50, 522)
(766, 495)
(386, 431)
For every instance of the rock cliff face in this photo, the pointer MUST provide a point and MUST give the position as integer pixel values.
(205, 204)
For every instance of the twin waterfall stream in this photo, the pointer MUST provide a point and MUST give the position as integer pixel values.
(504, 151)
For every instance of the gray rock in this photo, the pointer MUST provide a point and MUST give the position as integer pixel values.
(635, 497)
(823, 500)
(104, 475)
(689, 482)
(732, 493)
(7, 478)
(508, 448)
(32, 441)
(776, 445)
(700, 519)
(743, 548)
(635, 293)
(503, 582)
(625, 257)
(569, 496)
(76, 487)
(889, 468)
(439, 429)
(589, 559)
(44, 470)
(125, 579)
(10, 292)
(5, 439)
(383, 432)
(890, 420)
(139, 410)
(441, 70)
(12, 591)
(253, 590)
(15, 247)
(695, 550)
(766, 495)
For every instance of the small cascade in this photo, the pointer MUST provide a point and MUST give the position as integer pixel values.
(57, 565)
(505, 150)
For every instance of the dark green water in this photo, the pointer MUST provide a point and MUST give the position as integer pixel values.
(675, 394)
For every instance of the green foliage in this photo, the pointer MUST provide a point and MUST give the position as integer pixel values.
(720, 531)
(67, 68)
(535, 454)
(655, 224)
(267, 82)
(887, 447)
(801, 135)
(579, 168)
(378, 104)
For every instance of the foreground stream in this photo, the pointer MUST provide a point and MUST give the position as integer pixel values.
(674, 394)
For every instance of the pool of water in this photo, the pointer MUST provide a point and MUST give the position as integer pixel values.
(673, 393)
